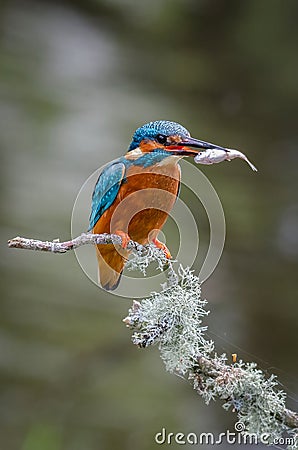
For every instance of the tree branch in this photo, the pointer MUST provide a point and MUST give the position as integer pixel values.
(172, 319)
(222, 372)
(56, 246)
(145, 254)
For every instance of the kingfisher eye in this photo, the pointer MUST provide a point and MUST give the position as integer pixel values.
(161, 138)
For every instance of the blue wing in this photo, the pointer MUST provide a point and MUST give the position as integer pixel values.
(106, 190)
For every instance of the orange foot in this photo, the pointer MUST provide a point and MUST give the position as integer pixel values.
(163, 247)
(124, 236)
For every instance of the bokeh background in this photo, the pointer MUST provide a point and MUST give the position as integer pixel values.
(76, 79)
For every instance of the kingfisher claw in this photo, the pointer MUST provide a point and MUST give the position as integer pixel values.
(125, 238)
(162, 247)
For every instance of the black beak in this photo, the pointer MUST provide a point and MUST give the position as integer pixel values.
(196, 143)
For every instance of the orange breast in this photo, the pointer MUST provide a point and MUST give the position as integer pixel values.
(144, 201)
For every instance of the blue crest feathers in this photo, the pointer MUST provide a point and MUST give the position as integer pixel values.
(151, 129)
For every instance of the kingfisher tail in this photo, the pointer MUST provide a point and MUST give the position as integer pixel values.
(111, 264)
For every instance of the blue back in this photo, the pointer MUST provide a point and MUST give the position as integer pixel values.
(106, 190)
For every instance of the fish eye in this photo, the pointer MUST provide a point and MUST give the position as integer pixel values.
(161, 139)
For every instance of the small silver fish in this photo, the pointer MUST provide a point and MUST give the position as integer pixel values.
(213, 156)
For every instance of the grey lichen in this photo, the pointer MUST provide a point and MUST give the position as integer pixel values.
(173, 319)
(141, 259)
(244, 389)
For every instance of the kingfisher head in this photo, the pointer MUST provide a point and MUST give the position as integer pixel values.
(168, 138)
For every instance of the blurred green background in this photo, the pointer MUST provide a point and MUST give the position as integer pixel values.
(76, 79)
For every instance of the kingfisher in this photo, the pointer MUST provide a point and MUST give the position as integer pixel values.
(135, 193)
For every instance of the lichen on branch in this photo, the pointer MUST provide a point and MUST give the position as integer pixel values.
(173, 319)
